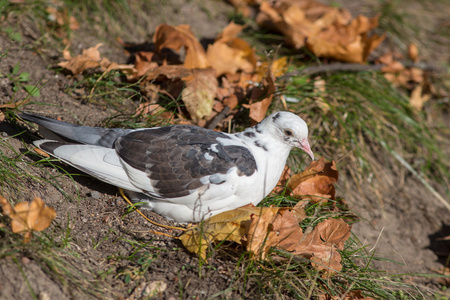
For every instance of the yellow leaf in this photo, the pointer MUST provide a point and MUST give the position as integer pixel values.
(230, 226)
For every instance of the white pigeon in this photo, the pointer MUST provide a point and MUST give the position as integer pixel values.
(185, 173)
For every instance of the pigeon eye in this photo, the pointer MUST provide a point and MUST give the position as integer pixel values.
(288, 132)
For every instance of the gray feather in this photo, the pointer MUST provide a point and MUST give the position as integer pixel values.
(63, 131)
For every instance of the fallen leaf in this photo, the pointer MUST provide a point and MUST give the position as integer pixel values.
(198, 95)
(315, 183)
(28, 217)
(143, 64)
(346, 295)
(320, 89)
(167, 36)
(413, 52)
(299, 210)
(90, 58)
(349, 42)
(418, 98)
(261, 235)
(299, 20)
(321, 245)
(283, 180)
(230, 225)
(229, 54)
(62, 18)
(265, 91)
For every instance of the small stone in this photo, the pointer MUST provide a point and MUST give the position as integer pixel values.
(25, 260)
(44, 296)
(95, 195)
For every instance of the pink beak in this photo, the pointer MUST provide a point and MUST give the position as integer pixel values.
(304, 145)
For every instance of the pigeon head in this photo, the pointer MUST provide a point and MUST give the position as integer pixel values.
(290, 129)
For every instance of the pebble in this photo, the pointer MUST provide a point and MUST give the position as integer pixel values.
(95, 195)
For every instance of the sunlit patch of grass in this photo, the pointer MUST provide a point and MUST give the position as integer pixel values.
(59, 263)
(363, 122)
(105, 89)
(135, 264)
(284, 275)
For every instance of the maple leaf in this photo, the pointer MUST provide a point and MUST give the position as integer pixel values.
(176, 37)
(316, 182)
(28, 217)
(229, 54)
(321, 245)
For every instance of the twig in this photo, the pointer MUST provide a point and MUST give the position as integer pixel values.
(216, 120)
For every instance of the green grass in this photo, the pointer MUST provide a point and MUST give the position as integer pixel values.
(364, 122)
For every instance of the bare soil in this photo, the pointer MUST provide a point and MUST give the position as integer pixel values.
(405, 228)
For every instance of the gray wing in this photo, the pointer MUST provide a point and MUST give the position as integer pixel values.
(178, 158)
(58, 130)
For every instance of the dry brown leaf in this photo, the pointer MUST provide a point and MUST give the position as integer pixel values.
(229, 54)
(90, 58)
(321, 245)
(348, 295)
(349, 43)
(278, 67)
(167, 36)
(316, 182)
(283, 180)
(299, 210)
(198, 95)
(261, 235)
(28, 217)
(413, 52)
(62, 18)
(418, 98)
(143, 64)
(265, 91)
(320, 89)
(299, 20)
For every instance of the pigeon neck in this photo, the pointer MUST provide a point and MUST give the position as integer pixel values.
(263, 139)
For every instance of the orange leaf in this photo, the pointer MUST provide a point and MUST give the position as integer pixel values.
(229, 54)
(283, 180)
(90, 58)
(231, 225)
(258, 107)
(167, 36)
(346, 42)
(316, 182)
(26, 217)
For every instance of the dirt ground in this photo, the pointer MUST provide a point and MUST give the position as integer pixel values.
(405, 228)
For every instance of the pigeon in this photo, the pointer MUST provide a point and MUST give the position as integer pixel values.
(185, 173)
